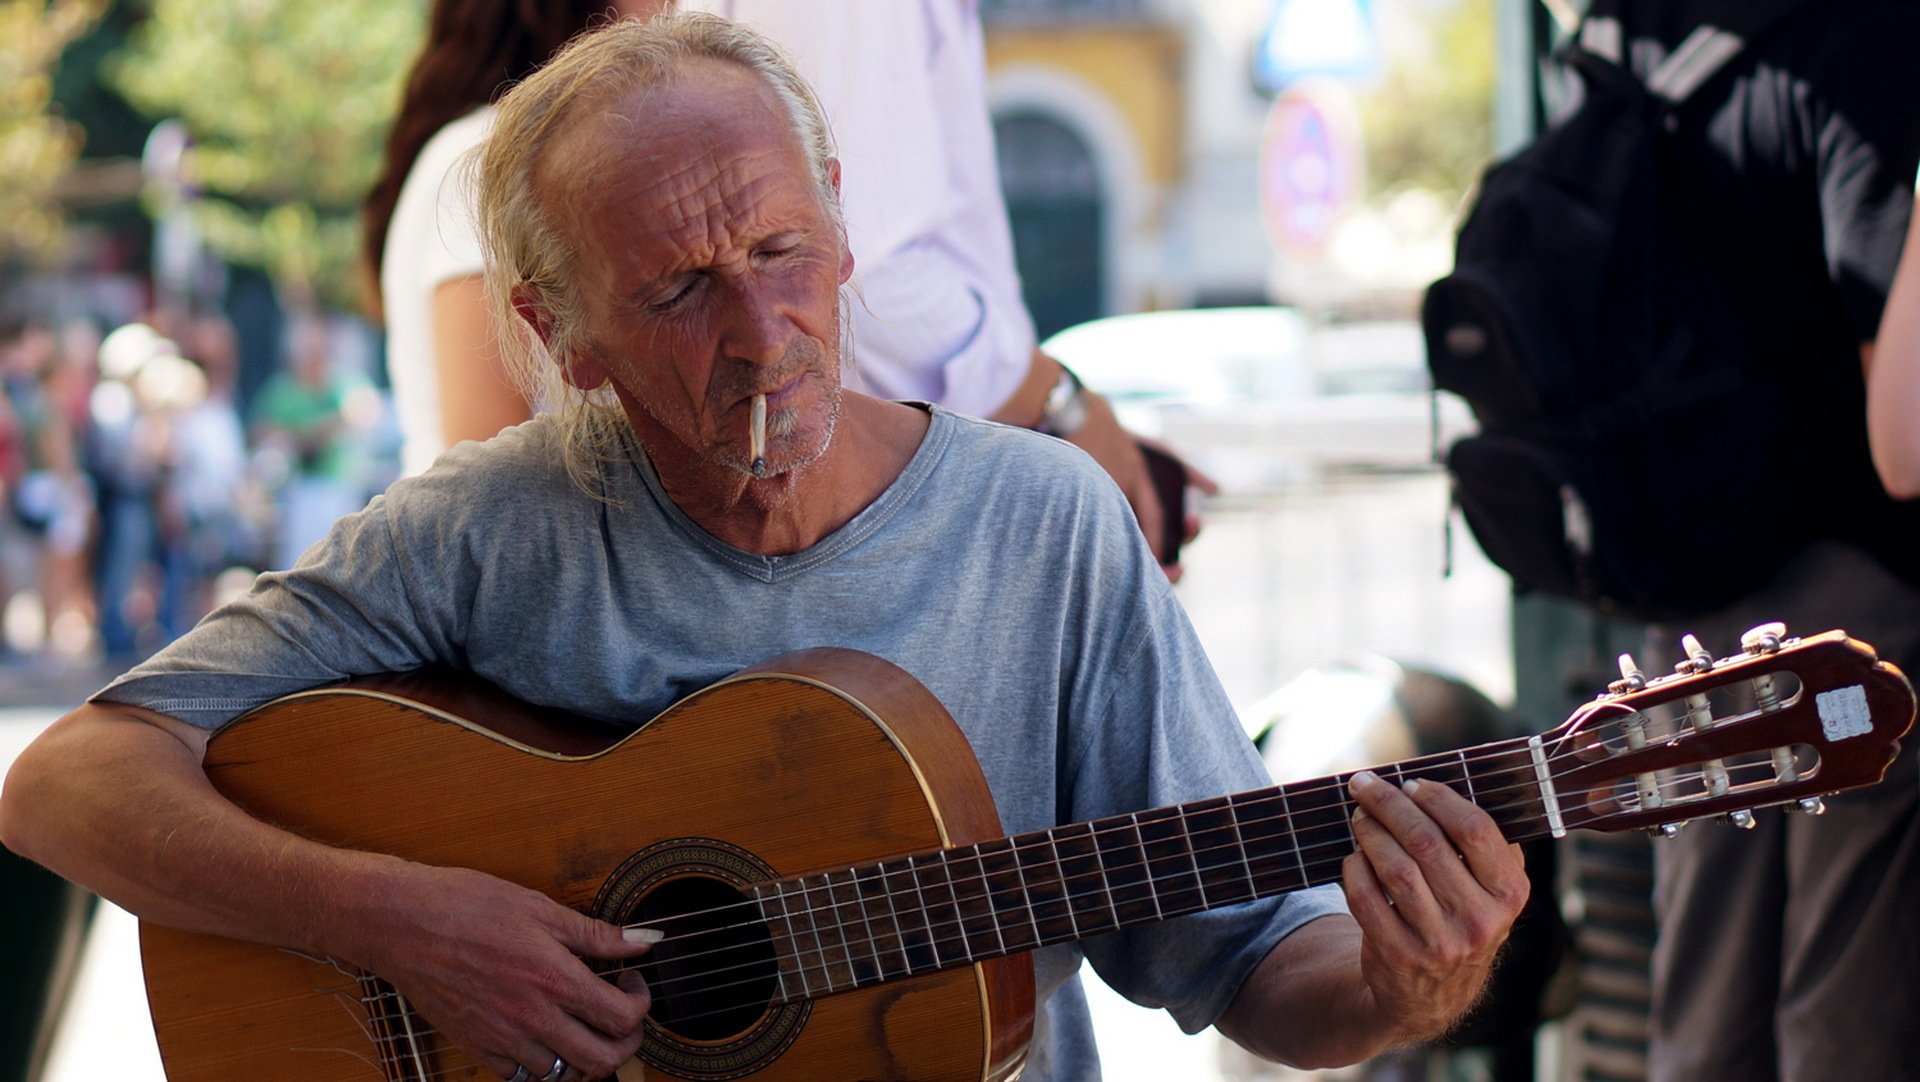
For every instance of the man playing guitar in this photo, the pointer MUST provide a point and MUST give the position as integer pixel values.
(661, 210)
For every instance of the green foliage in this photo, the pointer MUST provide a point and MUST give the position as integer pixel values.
(287, 107)
(36, 146)
(1429, 123)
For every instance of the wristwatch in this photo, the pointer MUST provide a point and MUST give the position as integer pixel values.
(1065, 410)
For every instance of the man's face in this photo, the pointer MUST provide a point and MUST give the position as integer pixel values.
(708, 271)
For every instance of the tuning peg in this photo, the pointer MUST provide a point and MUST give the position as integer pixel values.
(1698, 659)
(1666, 830)
(1764, 639)
(1742, 819)
(1631, 678)
(1811, 805)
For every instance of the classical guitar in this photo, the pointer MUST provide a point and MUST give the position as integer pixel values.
(817, 841)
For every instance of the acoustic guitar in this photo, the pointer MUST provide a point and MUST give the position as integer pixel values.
(817, 841)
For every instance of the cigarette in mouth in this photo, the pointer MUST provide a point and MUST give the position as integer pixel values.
(757, 436)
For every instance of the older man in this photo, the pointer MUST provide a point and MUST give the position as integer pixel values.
(661, 205)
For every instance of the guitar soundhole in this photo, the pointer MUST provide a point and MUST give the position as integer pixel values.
(714, 975)
(718, 1009)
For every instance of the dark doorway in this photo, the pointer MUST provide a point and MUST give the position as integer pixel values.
(1055, 205)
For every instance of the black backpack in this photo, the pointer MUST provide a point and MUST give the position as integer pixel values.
(1617, 453)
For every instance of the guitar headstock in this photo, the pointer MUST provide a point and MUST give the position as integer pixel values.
(1784, 722)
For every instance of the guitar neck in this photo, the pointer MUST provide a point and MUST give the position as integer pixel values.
(930, 911)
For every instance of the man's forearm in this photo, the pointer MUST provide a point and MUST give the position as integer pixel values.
(1306, 1005)
(121, 806)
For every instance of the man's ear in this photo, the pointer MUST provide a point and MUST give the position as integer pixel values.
(578, 370)
(846, 250)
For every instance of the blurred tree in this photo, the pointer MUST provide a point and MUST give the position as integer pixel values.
(285, 107)
(1429, 121)
(36, 145)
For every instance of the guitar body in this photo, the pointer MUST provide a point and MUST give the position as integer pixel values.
(786, 768)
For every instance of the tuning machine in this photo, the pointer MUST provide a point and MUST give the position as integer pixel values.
(1764, 639)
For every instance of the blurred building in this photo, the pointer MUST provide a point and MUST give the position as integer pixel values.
(1128, 134)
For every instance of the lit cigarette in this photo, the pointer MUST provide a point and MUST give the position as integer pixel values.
(757, 435)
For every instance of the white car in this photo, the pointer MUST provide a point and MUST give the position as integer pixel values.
(1260, 398)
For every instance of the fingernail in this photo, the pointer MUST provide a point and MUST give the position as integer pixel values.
(648, 936)
(1363, 780)
(1410, 785)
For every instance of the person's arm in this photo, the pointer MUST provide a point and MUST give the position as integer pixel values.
(114, 798)
(1116, 449)
(478, 396)
(1893, 377)
(1433, 888)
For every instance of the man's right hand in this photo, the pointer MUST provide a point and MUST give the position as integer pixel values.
(498, 969)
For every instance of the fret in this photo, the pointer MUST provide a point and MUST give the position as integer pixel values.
(1066, 882)
(946, 917)
(1046, 891)
(1466, 775)
(1509, 790)
(1193, 857)
(789, 961)
(1220, 854)
(979, 916)
(917, 953)
(1240, 845)
(882, 921)
(1176, 885)
(810, 909)
(856, 929)
(398, 1035)
(1322, 827)
(1138, 872)
(1274, 838)
(1085, 873)
(1013, 908)
(926, 912)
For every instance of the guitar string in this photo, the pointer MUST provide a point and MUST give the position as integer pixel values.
(1527, 783)
(1523, 768)
(1322, 866)
(830, 905)
(837, 916)
(825, 965)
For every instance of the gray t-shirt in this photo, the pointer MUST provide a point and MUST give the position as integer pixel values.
(1002, 569)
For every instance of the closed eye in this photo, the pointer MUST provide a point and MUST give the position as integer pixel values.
(676, 294)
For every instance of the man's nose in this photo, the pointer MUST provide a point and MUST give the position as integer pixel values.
(758, 326)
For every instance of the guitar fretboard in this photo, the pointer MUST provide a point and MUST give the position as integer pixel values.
(859, 926)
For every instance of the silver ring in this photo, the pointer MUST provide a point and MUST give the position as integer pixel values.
(520, 1074)
(559, 1068)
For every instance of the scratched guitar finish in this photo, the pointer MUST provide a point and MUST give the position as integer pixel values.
(819, 845)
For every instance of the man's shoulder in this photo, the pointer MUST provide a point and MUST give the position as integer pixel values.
(973, 436)
(523, 466)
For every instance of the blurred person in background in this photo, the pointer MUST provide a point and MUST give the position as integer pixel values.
(308, 425)
(125, 447)
(1893, 377)
(1787, 951)
(206, 478)
(51, 498)
(940, 317)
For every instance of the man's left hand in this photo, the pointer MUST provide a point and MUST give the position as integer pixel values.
(1435, 889)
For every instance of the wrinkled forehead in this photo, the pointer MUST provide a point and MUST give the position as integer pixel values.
(705, 143)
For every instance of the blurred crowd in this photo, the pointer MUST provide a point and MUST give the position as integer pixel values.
(137, 488)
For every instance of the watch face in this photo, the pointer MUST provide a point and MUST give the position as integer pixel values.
(1066, 407)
